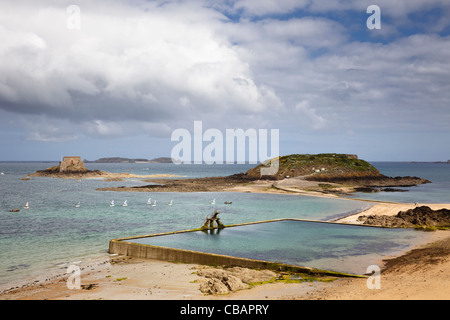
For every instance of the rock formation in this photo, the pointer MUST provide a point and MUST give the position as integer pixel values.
(345, 169)
(324, 164)
(422, 217)
(213, 222)
(71, 167)
(223, 281)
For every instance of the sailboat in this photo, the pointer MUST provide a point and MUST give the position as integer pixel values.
(125, 203)
(170, 203)
(149, 201)
(153, 204)
(214, 201)
(112, 203)
(77, 205)
(27, 206)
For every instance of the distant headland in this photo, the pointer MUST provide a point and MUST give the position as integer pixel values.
(438, 162)
(128, 160)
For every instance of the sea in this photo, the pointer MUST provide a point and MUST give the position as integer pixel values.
(53, 233)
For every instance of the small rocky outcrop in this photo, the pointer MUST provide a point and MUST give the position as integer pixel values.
(55, 173)
(69, 167)
(422, 216)
(220, 282)
(223, 281)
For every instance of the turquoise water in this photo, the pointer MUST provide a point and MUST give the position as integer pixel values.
(328, 246)
(53, 232)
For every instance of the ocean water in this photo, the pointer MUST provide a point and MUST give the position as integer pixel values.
(52, 232)
(436, 192)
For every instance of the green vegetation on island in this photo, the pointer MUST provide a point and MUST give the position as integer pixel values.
(324, 164)
(324, 173)
(343, 169)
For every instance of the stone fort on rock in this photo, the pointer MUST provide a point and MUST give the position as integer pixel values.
(71, 164)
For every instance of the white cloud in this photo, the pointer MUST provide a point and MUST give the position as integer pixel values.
(124, 63)
(149, 67)
(308, 116)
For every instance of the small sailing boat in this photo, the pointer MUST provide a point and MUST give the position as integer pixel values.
(78, 205)
(153, 204)
(149, 201)
(125, 203)
(214, 201)
(27, 206)
(170, 203)
(112, 203)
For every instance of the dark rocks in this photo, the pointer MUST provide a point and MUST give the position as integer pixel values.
(377, 189)
(426, 216)
(418, 217)
(193, 184)
(375, 181)
(89, 286)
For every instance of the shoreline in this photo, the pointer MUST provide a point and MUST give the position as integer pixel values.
(389, 209)
(115, 277)
(107, 176)
(120, 277)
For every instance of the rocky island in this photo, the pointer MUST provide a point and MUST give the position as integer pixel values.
(328, 173)
(345, 169)
(69, 167)
(73, 168)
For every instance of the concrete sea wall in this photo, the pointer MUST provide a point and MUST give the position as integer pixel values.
(125, 246)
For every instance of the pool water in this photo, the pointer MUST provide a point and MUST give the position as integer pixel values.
(335, 247)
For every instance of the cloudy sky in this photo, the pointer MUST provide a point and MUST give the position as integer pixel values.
(116, 78)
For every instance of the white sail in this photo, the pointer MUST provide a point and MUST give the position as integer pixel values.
(112, 203)
(125, 203)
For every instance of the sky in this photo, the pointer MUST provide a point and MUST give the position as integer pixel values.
(116, 78)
